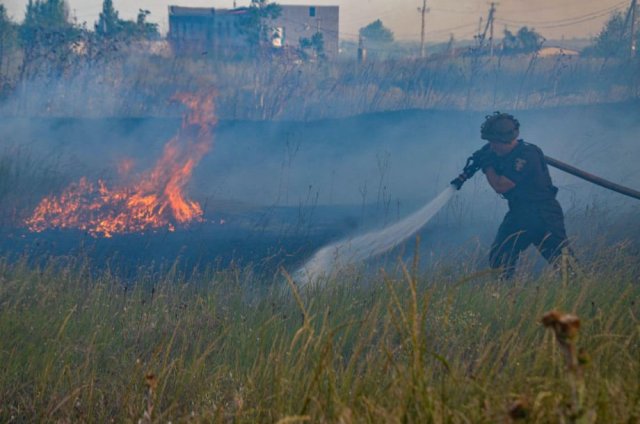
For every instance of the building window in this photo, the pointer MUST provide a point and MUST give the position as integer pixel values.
(312, 11)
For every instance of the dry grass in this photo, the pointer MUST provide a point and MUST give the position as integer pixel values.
(404, 347)
(279, 88)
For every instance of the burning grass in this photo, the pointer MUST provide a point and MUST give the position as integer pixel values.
(220, 347)
(153, 201)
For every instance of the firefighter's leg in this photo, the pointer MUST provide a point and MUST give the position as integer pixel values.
(551, 247)
(507, 246)
(552, 240)
(554, 247)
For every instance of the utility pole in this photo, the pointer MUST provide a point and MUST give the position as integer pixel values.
(479, 36)
(632, 44)
(423, 11)
(489, 27)
(490, 21)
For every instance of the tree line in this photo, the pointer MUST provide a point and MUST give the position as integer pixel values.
(612, 41)
(48, 37)
(50, 43)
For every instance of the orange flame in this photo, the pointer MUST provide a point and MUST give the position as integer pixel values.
(155, 201)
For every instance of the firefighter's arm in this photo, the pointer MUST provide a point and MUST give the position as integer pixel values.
(499, 183)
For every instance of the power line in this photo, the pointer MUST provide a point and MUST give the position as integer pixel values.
(327, 30)
(563, 5)
(591, 18)
(385, 14)
(459, 12)
(566, 20)
(446, 30)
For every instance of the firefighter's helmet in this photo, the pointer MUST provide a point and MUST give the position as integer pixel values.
(500, 128)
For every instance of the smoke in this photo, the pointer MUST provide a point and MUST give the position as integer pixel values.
(392, 162)
(331, 259)
(324, 181)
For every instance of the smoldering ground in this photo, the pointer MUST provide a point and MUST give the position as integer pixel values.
(274, 192)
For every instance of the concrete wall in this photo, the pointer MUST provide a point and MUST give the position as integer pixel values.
(304, 21)
(204, 30)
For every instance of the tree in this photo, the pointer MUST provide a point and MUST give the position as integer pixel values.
(8, 39)
(525, 41)
(315, 44)
(47, 36)
(141, 29)
(44, 17)
(255, 25)
(613, 40)
(111, 27)
(376, 32)
(109, 24)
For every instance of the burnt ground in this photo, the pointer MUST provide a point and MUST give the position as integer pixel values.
(284, 189)
(263, 239)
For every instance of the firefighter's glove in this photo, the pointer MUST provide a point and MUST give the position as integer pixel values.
(484, 158)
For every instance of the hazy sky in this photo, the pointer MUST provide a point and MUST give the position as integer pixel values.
(552, 18)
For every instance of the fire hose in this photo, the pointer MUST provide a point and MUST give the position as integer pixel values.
(472, 167)
(592, 178)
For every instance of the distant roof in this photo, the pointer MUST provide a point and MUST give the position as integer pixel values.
(556, 51)
(204, 11)
(308, 5)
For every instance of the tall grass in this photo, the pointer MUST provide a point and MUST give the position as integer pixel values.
(139, 84)
(25, 177)
(398, 347)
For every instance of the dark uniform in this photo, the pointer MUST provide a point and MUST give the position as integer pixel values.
(534, 217)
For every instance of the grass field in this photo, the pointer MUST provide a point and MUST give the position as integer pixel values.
(437, 341)
(398, 346)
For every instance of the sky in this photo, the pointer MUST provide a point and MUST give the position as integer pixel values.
(554, 19)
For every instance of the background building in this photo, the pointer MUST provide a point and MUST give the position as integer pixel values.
(205, 30)
(218, 31)
(304, 21)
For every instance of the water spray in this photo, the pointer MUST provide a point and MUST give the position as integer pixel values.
(329, 260)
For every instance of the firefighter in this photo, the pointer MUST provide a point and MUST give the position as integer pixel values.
(518, 172)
